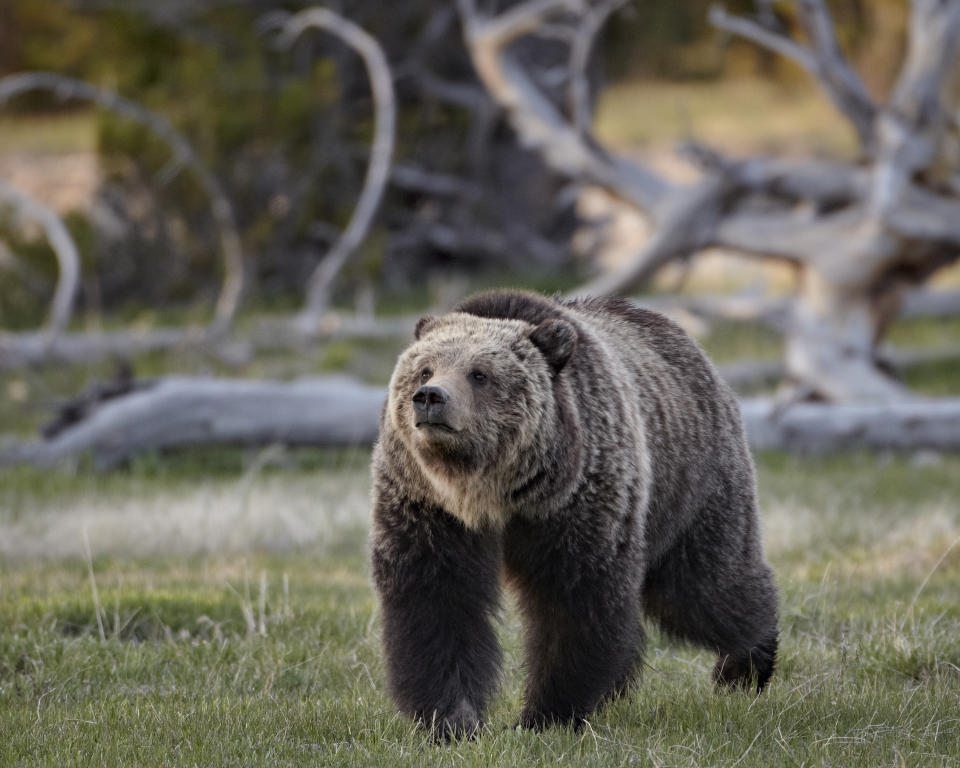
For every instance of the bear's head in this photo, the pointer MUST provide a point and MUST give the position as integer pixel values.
(472, 394)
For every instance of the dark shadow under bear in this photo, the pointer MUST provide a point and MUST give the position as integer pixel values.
(587, 453)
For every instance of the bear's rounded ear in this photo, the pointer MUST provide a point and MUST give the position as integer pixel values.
(556, 339)
(423, 325)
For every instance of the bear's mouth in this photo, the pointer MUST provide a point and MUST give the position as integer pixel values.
(436, 426)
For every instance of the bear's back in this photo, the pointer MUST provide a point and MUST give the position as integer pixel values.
(691, 421)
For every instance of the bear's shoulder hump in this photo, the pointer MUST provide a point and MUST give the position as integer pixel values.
(511, 305)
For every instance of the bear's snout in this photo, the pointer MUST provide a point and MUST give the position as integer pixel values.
(430, 404)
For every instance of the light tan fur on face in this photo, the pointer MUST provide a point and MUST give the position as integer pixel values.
(451, 346)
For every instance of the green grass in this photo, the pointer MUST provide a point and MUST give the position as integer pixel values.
(255, 641)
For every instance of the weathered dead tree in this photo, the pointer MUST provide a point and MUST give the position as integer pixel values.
(183, 157)
(861, 235)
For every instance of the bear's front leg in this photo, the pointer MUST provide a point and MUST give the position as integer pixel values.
(584, 638)
(438, 584)
(577, 657)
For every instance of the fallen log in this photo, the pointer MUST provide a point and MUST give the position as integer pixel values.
(181, 411)
(824, 428)
(64, 248)
(339, 411)
(30, 348)
(932, 303)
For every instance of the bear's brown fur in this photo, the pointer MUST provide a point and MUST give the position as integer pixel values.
(589, 452)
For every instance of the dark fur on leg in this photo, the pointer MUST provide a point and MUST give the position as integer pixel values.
(439, 589)
(584, 636)
(722, 598)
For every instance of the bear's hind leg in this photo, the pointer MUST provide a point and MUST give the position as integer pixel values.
(718, 592)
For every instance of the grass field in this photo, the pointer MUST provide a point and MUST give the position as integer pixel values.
(225, 618)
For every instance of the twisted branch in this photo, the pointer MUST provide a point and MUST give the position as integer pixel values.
(913, 127)
(381, 149)
(593, 21)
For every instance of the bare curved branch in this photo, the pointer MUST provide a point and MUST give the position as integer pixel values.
(766, 38)
(791, 236)
(68, 258)
(587, 30)
(183, 154)
(913, 127)
(931, 61)
(381, 150)
(842, 83)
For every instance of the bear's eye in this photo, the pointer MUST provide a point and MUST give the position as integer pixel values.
(477, 377)
(425, 374)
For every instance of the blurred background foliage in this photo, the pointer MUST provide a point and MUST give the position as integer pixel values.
(287, 133)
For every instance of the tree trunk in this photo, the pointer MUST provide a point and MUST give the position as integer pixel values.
(831, 342)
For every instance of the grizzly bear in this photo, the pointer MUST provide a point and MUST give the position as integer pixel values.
(588, 454)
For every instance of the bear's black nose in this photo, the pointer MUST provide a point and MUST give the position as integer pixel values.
(429, 402)
(430, 397)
